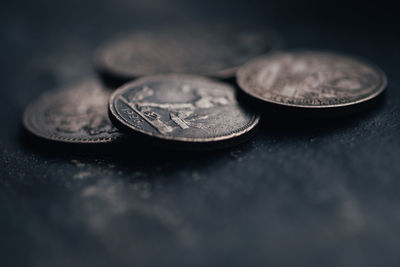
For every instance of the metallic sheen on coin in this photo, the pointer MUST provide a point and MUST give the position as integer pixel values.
(182, 108)
(75, 114)
(212, 51)
(311, 79)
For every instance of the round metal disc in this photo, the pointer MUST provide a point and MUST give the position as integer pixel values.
(183, 108)
(75, 114)
(311, 79)
(212, 51)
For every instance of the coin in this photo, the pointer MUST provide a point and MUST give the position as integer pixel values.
(75, 114)
(311, 79)
(182, 108)
(212, 51)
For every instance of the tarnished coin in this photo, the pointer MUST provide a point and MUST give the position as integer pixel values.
(181, 108)
(311, 79)
(75, 114)
(211, 51)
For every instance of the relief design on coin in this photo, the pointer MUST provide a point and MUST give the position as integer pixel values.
(75, 114)
(311, 79)
(214, 51)
(181, 108)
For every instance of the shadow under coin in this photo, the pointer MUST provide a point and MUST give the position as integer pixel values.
(297, 122)
(129, 153)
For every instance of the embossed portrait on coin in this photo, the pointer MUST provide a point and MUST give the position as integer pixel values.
(307, 77)
(77, 113)
(311, 79)
(88, 116)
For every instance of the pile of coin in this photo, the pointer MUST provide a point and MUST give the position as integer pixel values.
(178, 86)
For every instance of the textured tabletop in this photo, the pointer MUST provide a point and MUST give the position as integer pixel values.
(302, 192)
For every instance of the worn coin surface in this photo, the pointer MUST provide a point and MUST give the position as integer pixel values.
(75, 114)
(212, 51)
(311, 79)
(182, 108)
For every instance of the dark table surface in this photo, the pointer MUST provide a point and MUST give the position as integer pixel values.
(300, 193)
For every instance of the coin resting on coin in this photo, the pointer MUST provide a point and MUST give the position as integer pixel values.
(189, 108)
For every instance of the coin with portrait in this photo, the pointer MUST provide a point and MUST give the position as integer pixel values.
(76, 113)
(310, 79)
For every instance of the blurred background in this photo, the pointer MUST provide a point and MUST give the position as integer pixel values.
(72, 29)
(301, 193)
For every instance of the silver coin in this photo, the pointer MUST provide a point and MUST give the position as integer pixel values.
(311, 79)
(181, 108)
(212, 51)
(75, 114)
